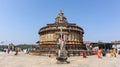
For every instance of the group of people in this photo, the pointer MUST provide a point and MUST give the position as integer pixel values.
(101, 52)
(16, 51)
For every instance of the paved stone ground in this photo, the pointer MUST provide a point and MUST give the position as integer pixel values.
(25, 60)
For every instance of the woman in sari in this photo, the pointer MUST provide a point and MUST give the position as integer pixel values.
(111, 52)
(84, 54)
(99, 53)
(16, 51)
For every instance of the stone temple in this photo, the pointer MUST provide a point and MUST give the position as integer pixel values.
(49, 35)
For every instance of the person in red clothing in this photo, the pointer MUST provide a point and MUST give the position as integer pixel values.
(16, 51)
(95, 52)
(100, 53)
(84, 54)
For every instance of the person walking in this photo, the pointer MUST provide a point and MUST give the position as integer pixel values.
(95, 52)
(84, 54)
(103, 52)
(115, 52)
(16, 51)
(8, 50)
(100, 53)
(111, 52)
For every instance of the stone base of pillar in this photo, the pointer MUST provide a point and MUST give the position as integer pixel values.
(63, 62)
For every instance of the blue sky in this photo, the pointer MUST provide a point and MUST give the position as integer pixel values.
(20, 20)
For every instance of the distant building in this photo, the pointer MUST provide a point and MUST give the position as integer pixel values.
(71, 34)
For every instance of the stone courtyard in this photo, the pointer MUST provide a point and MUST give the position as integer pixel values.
(26, 60)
